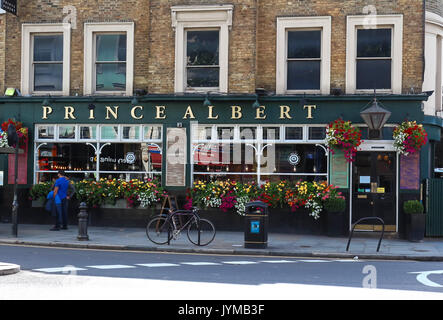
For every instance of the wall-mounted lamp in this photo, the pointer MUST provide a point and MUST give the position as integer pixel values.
(207, 102)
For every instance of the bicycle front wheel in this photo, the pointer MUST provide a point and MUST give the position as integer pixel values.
(201, 232)
(159, 230)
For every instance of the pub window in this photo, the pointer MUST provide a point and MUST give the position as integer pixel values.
(110, 62)
(316, 133)
(153, 133)
(66, 132)
(88, 132)
(47, 62)
(294, 133)
(131, 133)
(45, 132)
(374, 58)
(304, 60)
(202, 59)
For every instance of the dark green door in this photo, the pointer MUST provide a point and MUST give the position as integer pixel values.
(374, 190)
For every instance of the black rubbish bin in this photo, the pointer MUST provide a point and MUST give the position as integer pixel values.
(256, 225)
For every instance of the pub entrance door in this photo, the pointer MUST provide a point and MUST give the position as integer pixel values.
(374, 190)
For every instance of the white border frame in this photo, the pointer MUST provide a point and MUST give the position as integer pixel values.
(374, 22)
(29, 29)
(287, 23)
(201, 17)
(90, 28)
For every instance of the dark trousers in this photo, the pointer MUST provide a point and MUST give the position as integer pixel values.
(61, 214)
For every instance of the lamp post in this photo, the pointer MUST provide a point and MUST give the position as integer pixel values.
(13, 142)
(375, 116)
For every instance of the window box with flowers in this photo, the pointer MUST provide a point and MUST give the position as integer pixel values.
(409, 137)
(22, 134)
(341, 134)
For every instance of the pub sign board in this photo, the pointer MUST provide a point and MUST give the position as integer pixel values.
(9, 6)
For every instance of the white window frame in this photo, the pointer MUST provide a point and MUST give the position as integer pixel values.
(200, 18)
(285, 24)
(90, 30)
(374, 22)
(27, 70)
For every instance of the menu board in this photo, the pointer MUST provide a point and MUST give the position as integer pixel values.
(176, 157)
(339, 173)
(410, 171)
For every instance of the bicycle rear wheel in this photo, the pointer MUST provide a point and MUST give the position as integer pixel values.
(203, 229)
(159, 230)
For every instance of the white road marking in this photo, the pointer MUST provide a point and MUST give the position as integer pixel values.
(59, 269)
(278, 261)
(239, 262)
(155, 265)
(201, 263)
(111, 266)
(314, 260)
(422, 277)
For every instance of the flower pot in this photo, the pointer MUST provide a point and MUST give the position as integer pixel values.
(119, 204)
(39, 203)
(335, 222)
(416, 225)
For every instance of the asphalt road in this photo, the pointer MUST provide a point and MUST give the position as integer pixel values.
(193, 271)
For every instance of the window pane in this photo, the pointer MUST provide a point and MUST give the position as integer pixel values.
(248, 133)
(202, 132)
(152, 132)
(48, 48)
(203, 77)
(88, 132)
(131, 132)
(225, 133)
(202, 48)
(111, 47)
(46, 132)
(109, 132)
(374, 74)
(111, 76)
(303, 75)
(65, 156)
(271, 133)
(317, 133)
(66, 132)
(304, 44)
(374, 43)
(293, 133)
(48, 77)
(296, 158)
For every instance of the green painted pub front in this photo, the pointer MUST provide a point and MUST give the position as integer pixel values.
(183, 138)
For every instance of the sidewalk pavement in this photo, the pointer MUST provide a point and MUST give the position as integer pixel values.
(362, 246)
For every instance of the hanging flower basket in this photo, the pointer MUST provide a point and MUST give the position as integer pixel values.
(22, 133)
(409, 137)
(341, 134)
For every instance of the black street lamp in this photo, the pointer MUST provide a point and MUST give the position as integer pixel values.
(13, 141)
(375, 116)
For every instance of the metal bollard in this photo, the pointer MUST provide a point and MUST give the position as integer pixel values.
(83, 223)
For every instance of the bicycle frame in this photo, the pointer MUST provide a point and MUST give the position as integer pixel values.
(170, 218)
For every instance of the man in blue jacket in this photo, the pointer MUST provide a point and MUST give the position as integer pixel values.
(61, 189)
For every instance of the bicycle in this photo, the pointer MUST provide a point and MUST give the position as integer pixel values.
(163, 228)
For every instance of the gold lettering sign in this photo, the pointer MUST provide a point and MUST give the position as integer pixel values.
(91, 114)
(47, 110)
(284, 112)
(260, 113)
(160, 112)
(69, 113)
(310, 111)
(114, 112)
(236, 112)
(188, 113)
(133, 115)
(210, 113)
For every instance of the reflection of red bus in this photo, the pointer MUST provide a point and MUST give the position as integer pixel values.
(216, 156)
(156, 157)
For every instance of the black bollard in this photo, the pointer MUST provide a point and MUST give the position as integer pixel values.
(83, 223)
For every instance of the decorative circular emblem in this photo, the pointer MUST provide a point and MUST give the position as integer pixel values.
(294, 158)
(130, 157)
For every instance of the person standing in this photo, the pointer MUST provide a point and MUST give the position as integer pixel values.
(61, 189)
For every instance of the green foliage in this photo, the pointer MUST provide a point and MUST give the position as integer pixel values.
(40, 191)
(335, 204)
(413, 206)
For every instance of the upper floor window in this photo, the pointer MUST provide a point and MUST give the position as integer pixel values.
(109, 58)
(202, 59)
(201, 47)
(374, 54)
(303, 55)
(45, 59)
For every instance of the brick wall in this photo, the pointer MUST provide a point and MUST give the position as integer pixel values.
(252, 38)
